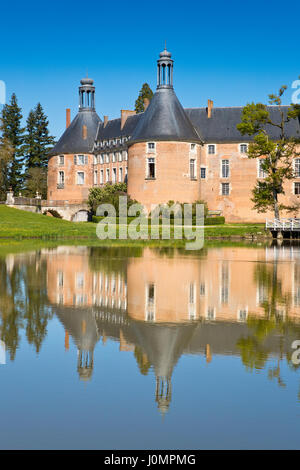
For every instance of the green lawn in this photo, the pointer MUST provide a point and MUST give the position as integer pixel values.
(15, 223)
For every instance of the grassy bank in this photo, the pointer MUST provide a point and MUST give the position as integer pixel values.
(17, 224)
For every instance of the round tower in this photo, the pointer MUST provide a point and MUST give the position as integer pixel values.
(164, 150)
(70, 166)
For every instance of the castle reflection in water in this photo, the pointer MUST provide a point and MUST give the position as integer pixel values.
(161, 304)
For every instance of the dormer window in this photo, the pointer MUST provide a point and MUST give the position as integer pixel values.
(151, 147)
(211, 149)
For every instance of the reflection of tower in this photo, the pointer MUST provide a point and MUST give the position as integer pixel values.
(163, 393)
(81, 325)
(85, 364)
(163, 345)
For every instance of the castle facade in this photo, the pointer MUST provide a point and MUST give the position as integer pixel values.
(165, 153)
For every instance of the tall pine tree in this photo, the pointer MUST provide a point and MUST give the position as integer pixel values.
(145, 92)
(38, 141)
(12, 133)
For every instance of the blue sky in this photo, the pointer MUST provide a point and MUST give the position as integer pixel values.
(232, 52)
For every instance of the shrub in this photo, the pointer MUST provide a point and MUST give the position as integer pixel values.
(108, 194)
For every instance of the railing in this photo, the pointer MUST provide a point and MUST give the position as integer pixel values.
(283, 224)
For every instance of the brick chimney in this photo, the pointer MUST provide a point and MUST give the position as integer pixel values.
(84, 132)
(146, 103)
(68, 117)
(124, 115)
(105, 121)
(210, 105)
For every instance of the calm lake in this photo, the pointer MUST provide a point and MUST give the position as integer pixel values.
(119, 348)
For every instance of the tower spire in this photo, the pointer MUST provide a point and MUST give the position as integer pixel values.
(87, 94)
(165, 69)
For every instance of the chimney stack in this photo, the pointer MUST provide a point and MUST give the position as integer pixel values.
(84, 132)
(146, 103)
(68, 117)
(210, 105)
(124, 115)
(105, 121)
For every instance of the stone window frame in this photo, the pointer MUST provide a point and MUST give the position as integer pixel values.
(77, 173)
(101, 176)
(296, 184)
(58, 177)
(221, 189)
(205, 171)
(120, 174)
(95, 177)
(61, 160)
(194, 159)
(221, 168)
(114, 175)
(296, 175)
(151, 149)
(107, 175)
(147, 177)
(215, 149)
(259, 174)
(244, 154)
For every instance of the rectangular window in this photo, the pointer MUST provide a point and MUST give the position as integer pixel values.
(150, 302)
(107, 175)
(120, 175)
(243, 148)
(107, 158)
(192, 169)
(80, 159)
(297, 188)
(101, 158)
(211, 149)
(151, 147)
(95, 177)
(114, 175)
(95, 159)
(119, 156)
(297, 167)
(193, 147)
(61, 160)
(225, 189)
(261, 172)
(151, 168)
(61, 177)
(125, 156)
(101, 177)
(114, 157)
(225, 169)
(80, 177)
(203, 173)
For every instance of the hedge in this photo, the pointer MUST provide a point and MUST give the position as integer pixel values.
(208, 221)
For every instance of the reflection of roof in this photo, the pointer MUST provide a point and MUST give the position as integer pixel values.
(81, 325)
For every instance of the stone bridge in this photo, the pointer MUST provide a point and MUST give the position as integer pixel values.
(75, 211)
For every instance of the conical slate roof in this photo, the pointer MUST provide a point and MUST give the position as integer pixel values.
(74, 139)
(165, 120)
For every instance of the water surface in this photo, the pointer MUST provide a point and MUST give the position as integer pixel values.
(119, 348)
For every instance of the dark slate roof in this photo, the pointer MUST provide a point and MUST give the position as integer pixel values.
(221, 127)
(113, 129)
(72, 139)
(164, 119)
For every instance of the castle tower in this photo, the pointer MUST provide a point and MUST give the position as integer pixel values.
(164, 150)
(70, 167)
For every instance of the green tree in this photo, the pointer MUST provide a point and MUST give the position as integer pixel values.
(36, 180)
(12, 132)
(6, 155)
(277, 154)
(37, 141)
(108, 194)
(145, 92)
